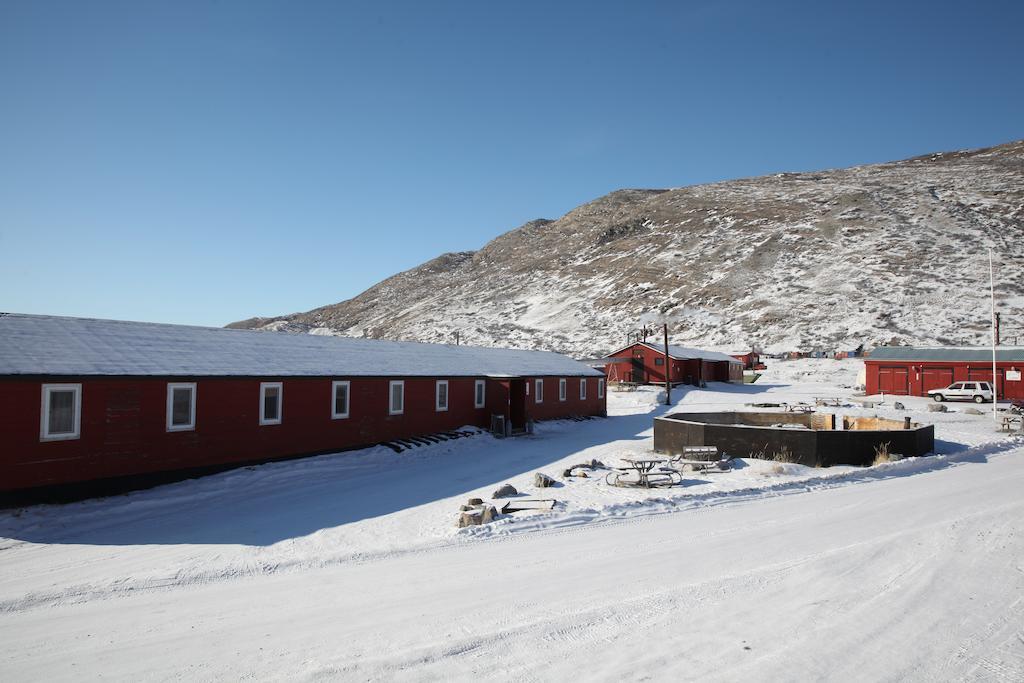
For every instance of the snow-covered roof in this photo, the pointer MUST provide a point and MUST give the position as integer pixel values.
(950, 353)
(50, 345)
(687, 353)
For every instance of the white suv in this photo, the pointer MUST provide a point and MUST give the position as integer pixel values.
(979, 392)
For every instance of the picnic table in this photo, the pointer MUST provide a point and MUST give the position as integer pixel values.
(646, 476)
(1010, 420)
(799, 408)
(833, 401)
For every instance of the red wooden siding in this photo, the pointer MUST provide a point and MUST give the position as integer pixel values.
(124, 431)
(683, 371)
(916, 378)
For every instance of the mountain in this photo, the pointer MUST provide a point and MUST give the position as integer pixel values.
(886, 253)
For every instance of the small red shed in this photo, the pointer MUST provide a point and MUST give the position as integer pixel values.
(912, 371)
(85, 401)
(644, 363)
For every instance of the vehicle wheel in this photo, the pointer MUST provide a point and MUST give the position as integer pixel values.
(979, 399)
(938, 397)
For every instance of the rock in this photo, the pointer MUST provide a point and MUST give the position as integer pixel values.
(899, 406)
(542, 480)
(973, 411)
(506, 491)
(596, 464)
(583, 474)
(567, 473)
(476, 501)
(936, 408)
(476, 516)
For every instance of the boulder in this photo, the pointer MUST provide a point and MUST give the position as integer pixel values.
(475, 501)
(478, 515)
(899, 406)
(596, 464)
(541, 480)
(973, 411)
(936, 408)
(506, 491)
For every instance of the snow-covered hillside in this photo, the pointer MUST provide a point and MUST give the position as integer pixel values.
(349, 566)
(873, 254)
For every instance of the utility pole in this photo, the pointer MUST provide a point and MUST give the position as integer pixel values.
(456, 337)
(668, 370)
(995, 334)
(999, 322)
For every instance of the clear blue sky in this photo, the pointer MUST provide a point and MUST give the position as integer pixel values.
(202, 162)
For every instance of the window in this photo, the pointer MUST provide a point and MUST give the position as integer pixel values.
(61, 415)
(583, 388)
(480, 397)
(600, 388)
(181, 406)
(441, 395)
(396, 406)
(659, 361)
(538, 393)
(561, 389)
(270, 403)
(339, 400)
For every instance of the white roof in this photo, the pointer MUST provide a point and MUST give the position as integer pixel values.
(688, 353)
(50, 345)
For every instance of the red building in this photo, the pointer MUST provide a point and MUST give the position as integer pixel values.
(751, 359)
(109, 401)
(912, 371)
(644, 363)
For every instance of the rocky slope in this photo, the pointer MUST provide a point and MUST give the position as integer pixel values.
(893, 252)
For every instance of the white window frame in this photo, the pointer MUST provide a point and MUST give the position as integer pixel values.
(562, 390)
(171, 427)
(391, 392)
(583, 388)
(538, 390)
(479, 393)
(335, 415)
(44, 418)
(600, 388)
(437, 396)
(263, 402)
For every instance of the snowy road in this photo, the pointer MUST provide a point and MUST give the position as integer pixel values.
(911, 572)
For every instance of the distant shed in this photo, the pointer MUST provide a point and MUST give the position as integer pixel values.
(912, 371)
(644, 363)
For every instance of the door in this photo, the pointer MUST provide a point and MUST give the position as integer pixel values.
(638, 369)
(985, 375)
(517, 404)
(893, 381)
(935, 378)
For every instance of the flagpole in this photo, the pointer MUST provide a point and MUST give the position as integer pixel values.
(992, 294)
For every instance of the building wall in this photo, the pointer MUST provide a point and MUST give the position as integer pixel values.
(124, 431)
(916, 378)
(683, 371)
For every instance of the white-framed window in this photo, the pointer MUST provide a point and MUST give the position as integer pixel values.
(339, 400)
(396, 397)
(61, 412)
(600, 388)
(181, 406)
(271, 399)
(441, 395)
(561, 389)
(583, 388)
(538, 390)
(479, 393)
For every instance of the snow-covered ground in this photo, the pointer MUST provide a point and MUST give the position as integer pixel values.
(350, 566)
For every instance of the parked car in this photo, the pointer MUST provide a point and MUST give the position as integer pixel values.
(979, 392)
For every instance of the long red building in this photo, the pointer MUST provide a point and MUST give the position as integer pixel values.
(912, 371)
(86, 400)
(644, 363)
